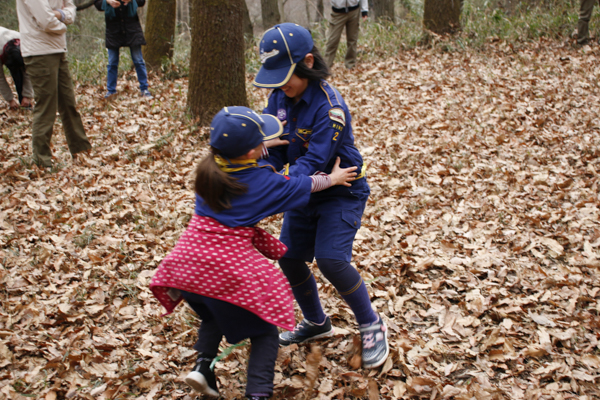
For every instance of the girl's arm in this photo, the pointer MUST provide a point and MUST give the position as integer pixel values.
(338, 176)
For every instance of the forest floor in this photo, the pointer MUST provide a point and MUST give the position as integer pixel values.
(479, 244)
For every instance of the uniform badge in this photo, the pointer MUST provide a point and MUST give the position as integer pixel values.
(337, 115)
(282, 114)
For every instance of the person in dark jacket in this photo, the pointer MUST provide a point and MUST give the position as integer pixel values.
(123, 29)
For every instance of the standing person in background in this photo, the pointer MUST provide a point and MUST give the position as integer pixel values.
(43, 28)
(10, 55)
(318, 129)
(123, 29)
(345, 14)
(586, 7)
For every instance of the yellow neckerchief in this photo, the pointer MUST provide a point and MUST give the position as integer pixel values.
(227, 165)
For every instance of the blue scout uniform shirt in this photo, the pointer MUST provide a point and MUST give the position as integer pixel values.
(268, 193)
(318, 128)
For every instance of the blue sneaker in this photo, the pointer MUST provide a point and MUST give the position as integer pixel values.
(109, 95)
(375, 348)
(146, 93)
(306, 331)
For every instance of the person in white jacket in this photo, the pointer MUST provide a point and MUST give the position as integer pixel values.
(345, 14)
(43, 27)
(10, 56)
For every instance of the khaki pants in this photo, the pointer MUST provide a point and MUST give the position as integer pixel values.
(337, 23)
(53, 89)
(585, 14)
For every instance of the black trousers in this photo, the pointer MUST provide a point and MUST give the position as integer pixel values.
(219, 319)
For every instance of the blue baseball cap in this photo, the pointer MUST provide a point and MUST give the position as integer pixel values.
(234, 131)
(281, 48)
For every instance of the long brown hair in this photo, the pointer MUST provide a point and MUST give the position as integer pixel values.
(217, 188)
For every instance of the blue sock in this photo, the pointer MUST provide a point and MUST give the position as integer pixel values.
(359, 301)
(350, 285)
(307, 296)
(304, 288)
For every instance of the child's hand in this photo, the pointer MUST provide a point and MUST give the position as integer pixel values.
(114, 3)
(275, 142)
(13, 104)
(342, 176)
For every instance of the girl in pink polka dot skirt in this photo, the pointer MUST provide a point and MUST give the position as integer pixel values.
(219, 265)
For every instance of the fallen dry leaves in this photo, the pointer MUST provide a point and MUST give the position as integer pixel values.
(479, 242)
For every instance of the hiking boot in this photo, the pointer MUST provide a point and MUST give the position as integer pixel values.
(375, 349)
(306, 331)
(202, 378)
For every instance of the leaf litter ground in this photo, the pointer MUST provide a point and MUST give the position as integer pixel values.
(479, 242)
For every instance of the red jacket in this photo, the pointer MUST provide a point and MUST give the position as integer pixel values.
(229, 264)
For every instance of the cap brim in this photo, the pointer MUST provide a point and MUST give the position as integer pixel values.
(273, 128)
(273, 78)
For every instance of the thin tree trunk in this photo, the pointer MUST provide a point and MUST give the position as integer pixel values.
(217, 65)
(248, 28)
(270, 13)
(382, 9)
(160, 32)
(442, 16)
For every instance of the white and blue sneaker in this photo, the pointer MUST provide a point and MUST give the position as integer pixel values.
(375, 348)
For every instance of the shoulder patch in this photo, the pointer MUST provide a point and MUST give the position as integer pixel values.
(337, 115)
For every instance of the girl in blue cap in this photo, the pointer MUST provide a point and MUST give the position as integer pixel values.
(319, 131)
(218, 265)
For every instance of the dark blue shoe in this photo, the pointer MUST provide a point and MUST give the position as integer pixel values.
(306, 331)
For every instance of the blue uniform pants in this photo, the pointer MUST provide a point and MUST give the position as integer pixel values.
(326, 227)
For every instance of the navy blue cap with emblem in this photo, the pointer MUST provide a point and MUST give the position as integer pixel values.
(234, 131)
(281, 48)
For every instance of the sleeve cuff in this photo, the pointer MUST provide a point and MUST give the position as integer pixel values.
(62, 15)
(364, 13)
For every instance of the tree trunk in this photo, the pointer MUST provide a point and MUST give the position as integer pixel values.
(248, 28)
(270, 13)
(320, 11)
(382, 9)
(160, 32)
(217, 65)
(442, 16)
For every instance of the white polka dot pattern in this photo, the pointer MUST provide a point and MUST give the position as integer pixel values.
(228, 264)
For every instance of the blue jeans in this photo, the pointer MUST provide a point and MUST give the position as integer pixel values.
(113, 68)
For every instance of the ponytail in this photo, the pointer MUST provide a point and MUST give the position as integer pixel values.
(318, 71)
(217, 188)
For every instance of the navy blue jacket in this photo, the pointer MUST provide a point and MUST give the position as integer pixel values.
(319, 128)
(268, 193)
